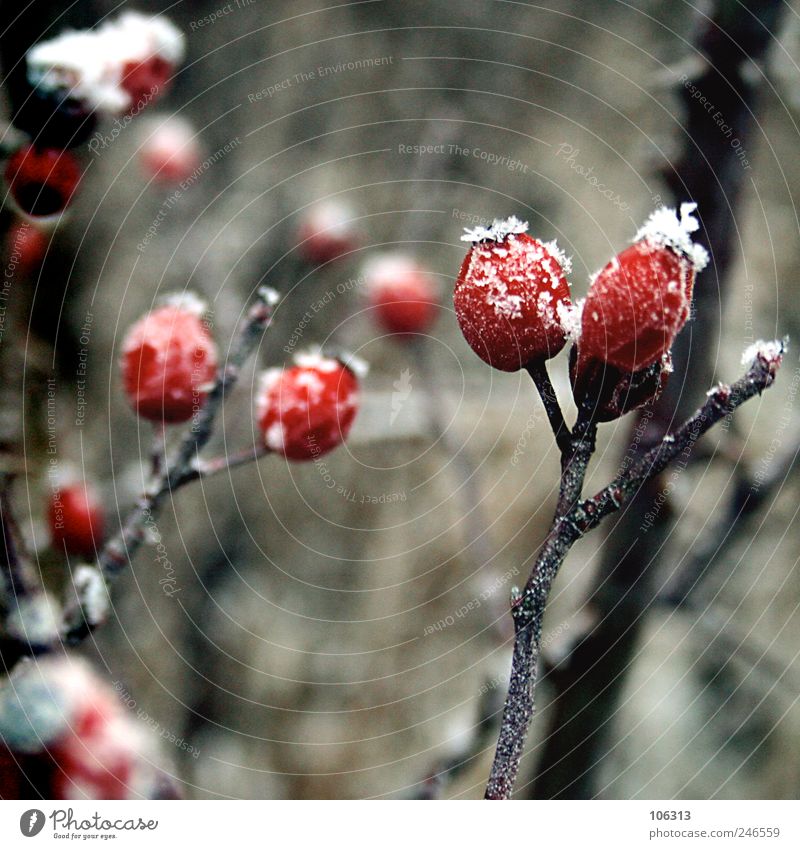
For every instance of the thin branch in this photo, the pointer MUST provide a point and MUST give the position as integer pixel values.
(575, 518)
(539, 375)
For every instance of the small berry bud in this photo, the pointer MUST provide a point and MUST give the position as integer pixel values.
(400, 293)
(327, 232)
(76, 518)
(170, 152)
(640, 301)
(169, 361)
(42, 181)
(308, 409)
(508, 293)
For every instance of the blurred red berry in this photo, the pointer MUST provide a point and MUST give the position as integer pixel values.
(26, 247)
(170, 153)
(639, 302)
(145, 81)
(77, 519)
(42, 181)
(401, 294)
(308, 409)
(326, 232)
(169, 361)
(508, 295)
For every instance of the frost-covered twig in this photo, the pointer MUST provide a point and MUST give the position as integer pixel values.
(573, 519)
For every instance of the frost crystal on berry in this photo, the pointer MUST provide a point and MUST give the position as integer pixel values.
(664, 228)
(501, 228)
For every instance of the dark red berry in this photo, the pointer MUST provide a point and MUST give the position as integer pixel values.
(640, 301)
(42, 181)
(77, 519)
(401, 294)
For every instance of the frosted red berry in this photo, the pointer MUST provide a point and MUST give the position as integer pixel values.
(641, 300)
(42, 181)
(509, 292)
(76, 518)
(307, 410)
(326, 232)
(169, 361)
(402, 296)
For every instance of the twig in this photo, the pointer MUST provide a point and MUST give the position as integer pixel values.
(541, 378)
(575, 518)
(18, 581)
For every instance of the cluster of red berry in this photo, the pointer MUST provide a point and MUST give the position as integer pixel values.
(512, 300)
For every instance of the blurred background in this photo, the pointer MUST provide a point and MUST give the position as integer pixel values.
(339, 629)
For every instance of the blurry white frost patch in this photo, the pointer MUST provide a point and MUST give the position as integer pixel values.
(90, 63)
(770, 351)
(664, 228)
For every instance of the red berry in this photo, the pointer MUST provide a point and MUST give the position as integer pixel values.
(170, 153)
(326, 232)
(307, 410)
(42, 181)
(401, 294)
(26, 247)
(168, 361)
(508, 296)
(639, 302)
(145, 81)
(77, 519)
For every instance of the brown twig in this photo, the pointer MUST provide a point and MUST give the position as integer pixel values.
(574, 518)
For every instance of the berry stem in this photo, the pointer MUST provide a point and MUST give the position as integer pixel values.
(540, 377)
(18, 580)
(574, 518)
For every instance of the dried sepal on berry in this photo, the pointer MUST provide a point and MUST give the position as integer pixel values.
(401, 295)
(641, 300)
(613, 392)
(508, 295)
(169, 361)
(307, 410)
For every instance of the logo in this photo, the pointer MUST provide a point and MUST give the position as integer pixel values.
(401, 394)
(31, 822)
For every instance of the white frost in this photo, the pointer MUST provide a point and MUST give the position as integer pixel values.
(501, 228)
(570, 316)
(663, 227)
(770, 351)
